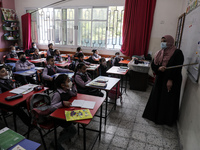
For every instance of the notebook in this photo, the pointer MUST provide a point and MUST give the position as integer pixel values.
(83, 104)
(78, 115)
(98, 84)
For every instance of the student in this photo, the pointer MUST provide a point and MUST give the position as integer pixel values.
(35, 55)
(102, 67)
(57, 56)
(116, 59)
(82, 78)
(78, 50)
(12, 53)
(7, 84)
(50, 51)
(17, 46)
(64, 91)
(33, 48)
(95, 55)
(81, 60)
(21, 65)
(50, 70)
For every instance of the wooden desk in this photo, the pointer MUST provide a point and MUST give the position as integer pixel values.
(60, 114)
(29, 72)
(110, 84)
(41, 60)
(115, 71)
(16, 102)
(124, 62)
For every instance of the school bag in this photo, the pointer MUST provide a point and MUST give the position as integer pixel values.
(40, 107)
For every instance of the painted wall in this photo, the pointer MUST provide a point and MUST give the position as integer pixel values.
(3, 43)
(189, 121)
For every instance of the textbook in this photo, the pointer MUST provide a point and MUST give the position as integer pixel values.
(98, 84)
(103, 80)
(83, 104)
(78, 115)
(9, 138)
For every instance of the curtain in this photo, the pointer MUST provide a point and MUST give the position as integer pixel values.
(26, 31)
(137, 25)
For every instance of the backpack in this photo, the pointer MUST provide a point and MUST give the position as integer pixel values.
(72, 66)
(40, 107)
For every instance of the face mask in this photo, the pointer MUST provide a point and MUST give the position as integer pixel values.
(117, 56)
(23, 59)
(13, 51)
(163, 45)
(35, 47)
(5, 77)
(69, 85)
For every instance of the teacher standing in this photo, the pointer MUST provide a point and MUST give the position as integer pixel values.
(163, 104)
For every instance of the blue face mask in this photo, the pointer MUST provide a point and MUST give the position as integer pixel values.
(163, 45)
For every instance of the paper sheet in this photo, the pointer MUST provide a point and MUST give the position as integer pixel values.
(23, 89)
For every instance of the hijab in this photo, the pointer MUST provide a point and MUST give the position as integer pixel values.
(163, 56)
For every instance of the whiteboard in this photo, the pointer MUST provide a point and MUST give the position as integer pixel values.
(190, 44)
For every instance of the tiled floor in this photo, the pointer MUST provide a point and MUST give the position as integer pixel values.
(125, 129)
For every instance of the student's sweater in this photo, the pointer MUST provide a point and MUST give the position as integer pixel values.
(61, 95)
(6, 85)
(20, 65)
(50, 52)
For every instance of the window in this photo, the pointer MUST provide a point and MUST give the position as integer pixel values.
(94, 27)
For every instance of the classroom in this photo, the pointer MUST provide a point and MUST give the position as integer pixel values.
(128, 69)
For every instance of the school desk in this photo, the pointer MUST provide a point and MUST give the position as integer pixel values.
(60, 114)
(29, 72)
(35, 61)
(70, 74)
(93, 68)
(12, 59)
(41, 53)
(16, 102)
(124, 62)
(110, 84)
(116, 71)
(62, 64)
(27, 144)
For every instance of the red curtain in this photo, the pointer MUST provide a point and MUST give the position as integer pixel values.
(26, 31)
(137, 25)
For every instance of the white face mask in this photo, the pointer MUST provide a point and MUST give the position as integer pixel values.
(117, 56)
(13, 51)
(69, 85)
(35, 47)
(163, 45)
(5, 77)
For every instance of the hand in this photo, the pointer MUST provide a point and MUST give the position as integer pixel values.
(169, 85)
(51, 79)
(66, 103)
(162, 68)
(29, 67)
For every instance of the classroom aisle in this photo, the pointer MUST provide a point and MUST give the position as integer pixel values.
(125, 129)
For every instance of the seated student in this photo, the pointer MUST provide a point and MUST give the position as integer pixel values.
(35, 55)
(17, 46)
(103, 67)
(116, 59)
(13, 53)
(81, 79)
(81, 60)
(7, 84)
(50, 51)
(33, 48)
(50, 70)
(21, 65)
(57, 56)
(64, 91)
(78, 50)
(95, 55)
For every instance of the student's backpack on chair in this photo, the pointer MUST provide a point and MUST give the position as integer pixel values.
(40, 107)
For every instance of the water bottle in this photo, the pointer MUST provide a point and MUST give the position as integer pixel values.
(69, 59)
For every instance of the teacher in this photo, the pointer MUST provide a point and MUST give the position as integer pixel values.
(163, 104)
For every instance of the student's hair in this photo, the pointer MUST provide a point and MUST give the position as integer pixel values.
(80, 55)
(2, 66)
(94, 50)
(55, 51)
(78, 49)
(79, 66)
(117, 53)
(48, 58)
(20, 53)
(61, 79)
(50, 44)
(33, 43)
(101, 59)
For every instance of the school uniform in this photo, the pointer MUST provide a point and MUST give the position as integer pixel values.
(57, 58)
(34, 56)
(116, 61)
(81, 80)
(49, 71)
(31, 50)
(12, 55)
(96, 56)
(22, 66)
(6, 85)
(102, 70)
(50, 52)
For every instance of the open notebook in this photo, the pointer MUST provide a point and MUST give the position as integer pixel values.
(83, 104)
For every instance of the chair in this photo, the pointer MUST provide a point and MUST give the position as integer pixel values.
(47, 125)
